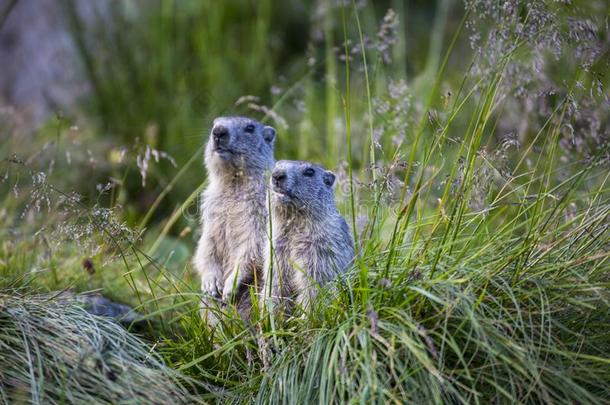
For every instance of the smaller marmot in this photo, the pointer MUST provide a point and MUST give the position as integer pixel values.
(311, 244)
(230, 253)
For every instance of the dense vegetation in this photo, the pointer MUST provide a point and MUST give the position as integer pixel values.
(471, 146)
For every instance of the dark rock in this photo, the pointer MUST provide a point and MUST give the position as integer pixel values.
(99, 305)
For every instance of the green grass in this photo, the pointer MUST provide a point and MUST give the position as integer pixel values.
(53, 351)
(483, 267)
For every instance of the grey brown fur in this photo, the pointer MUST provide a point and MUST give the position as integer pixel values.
(230, 252)
(312, 243)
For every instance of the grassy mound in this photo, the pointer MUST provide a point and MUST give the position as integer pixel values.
(449, 342)
(53, 351)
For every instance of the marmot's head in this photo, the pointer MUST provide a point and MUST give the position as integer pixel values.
(239, 144)
(302, 185)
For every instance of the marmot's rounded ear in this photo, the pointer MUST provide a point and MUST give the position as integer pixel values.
(268, 133)
(329, 178)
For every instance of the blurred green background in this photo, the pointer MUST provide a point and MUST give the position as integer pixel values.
(156, 73)
(113, 100)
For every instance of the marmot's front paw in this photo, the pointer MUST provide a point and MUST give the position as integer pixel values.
(230, 287)
(212, 284)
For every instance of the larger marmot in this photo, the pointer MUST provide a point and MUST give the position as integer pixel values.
(230, 253)
(311, 241)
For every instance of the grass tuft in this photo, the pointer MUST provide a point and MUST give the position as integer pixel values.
(53, 351)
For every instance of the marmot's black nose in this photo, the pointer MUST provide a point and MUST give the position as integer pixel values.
(278, 177)
(220, 132)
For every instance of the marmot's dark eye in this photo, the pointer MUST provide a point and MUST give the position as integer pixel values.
(249, 128)
(309, 172)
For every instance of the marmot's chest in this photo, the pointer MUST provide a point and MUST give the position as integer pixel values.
(238, 227)
(235, 211)
(302, 252)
